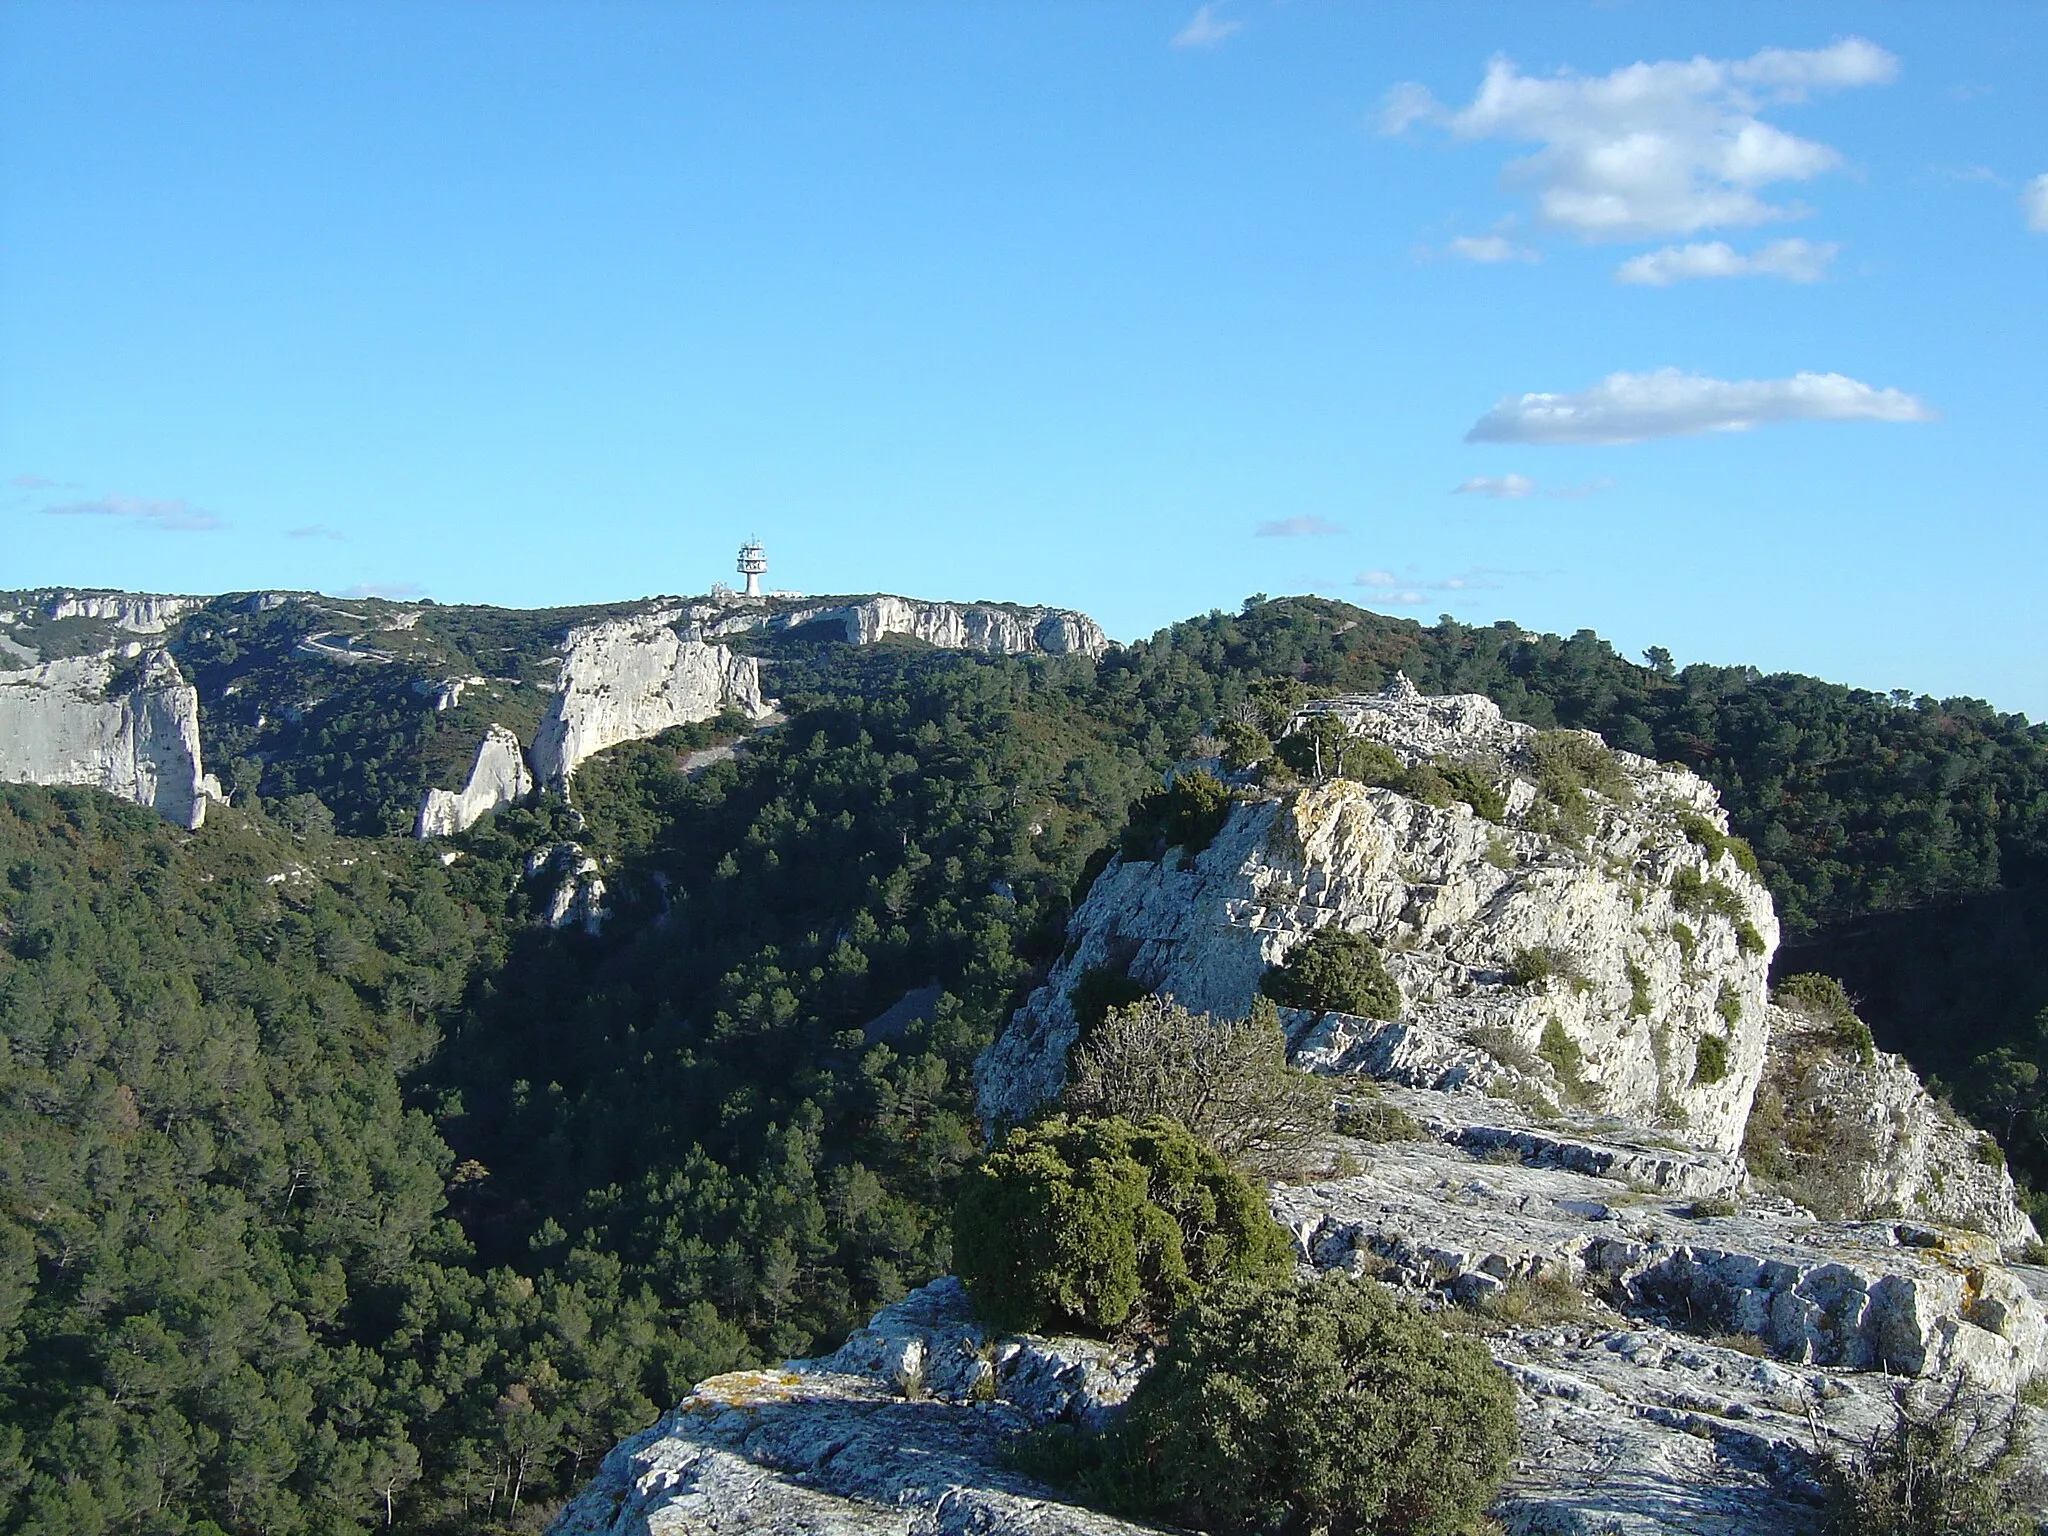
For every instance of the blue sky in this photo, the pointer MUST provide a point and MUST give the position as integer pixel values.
(1137, 308)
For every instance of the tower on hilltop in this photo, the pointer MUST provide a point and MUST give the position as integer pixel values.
(753, 566)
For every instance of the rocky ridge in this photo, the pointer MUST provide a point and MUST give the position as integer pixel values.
(1685, 1336)
(1002, 629)
(498, 777)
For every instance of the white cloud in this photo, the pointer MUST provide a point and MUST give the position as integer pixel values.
(1630, 407)
(1491, 248)
(1299, 528)
(1206, 28)
(1652, 149)
(175, 516)
(1797, 261)
(2034, 199)
(1508, 487)
(1405, 591)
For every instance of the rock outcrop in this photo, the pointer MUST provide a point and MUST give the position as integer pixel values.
(904, 1430)
(58, 725)
(1656, 949)
(626, 679)
(1851, 1132)
(498, 777)
(576, 894)
(999, 629)
(138, 613)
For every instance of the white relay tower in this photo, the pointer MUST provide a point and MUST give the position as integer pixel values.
(753, 566)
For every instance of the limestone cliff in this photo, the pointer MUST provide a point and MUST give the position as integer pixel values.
(58, 725)
(498, 777)
(1656, 950)
(998, 629)
(625, 679)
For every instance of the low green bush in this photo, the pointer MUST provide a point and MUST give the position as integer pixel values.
(1639, 999)
(1568, 761)
(1710, 1059)
(1335, 972)
(1323, 1407)
(1446, 781)
(1747, 939)
(1541, 963)
(1186, 814)
(1243, 745)
(1701, 895)
(1949, 1465)
(1729, 1005)
(1822, 999)
(1705, 834)
(1102, 1226)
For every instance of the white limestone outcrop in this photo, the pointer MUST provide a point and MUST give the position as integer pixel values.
(1863, 1139)
(58, 726)
(1000, 630)
(498, 777)
(139, 613)
(1658, 946)
(627, 679)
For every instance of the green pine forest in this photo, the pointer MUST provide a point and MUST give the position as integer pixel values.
(337, 1195)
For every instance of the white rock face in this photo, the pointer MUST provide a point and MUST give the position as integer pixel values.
(627, 679)
(140, 613)
(1865, 1139)
(577, 899)
(57, 726)
(949, 626)
(1451, 899)
(498, 777)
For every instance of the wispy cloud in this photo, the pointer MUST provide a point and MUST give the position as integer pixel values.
(1508, 487)
(1207, 27)
(1299, 528)
(31, 483)
(175, 516)
(1797, 261)
(1671, 147)
(2034, 202)
(1631, 407)
(313, 531)
(1592, 487)
(1490, 248)
(397, 591)
(1404, 591)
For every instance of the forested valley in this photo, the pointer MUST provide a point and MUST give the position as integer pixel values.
(339, 1194)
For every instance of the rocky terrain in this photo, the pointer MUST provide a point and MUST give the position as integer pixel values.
(139, 693)
(1688, 1333)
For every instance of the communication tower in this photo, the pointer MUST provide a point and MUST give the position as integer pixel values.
(753, 566)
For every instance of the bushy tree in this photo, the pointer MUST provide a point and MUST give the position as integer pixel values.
(1946, 1466)
(1327, 1405)
(1103, 1226)
(1186, 814)
(1226, 1080)
(1335, 972)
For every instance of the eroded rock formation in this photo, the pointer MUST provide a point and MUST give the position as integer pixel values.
(625, 679)
(999, 629)
(498, 777)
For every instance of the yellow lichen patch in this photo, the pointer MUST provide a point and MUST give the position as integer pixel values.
(744, 1389)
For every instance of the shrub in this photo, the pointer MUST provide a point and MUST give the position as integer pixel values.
(1102, 1225)
(1566, 762)
(1945, 1466)
(1747, 939)
(1639, 1001)
(1186, 814)
(1335, 971)
(1098, 990)
(1542, 963)
(1694, 892)
(1322, 745)
(1327, 1406)
(1705, 834)
(1226, 1080)
(1499, 854)
(1729, 1005)
(1243, 745)
(1687, 941)
(1446, 781)
(1822, 999)
(1370, 1116)
(1710, 1059)
(1558, 1048)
